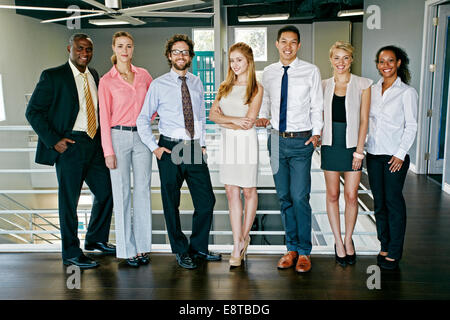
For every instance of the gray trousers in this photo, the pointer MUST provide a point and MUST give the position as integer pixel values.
(133, 229)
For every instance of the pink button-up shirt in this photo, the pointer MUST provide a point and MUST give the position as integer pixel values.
(120, 102)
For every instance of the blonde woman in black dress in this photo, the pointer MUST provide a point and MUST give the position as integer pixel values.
(346, 117)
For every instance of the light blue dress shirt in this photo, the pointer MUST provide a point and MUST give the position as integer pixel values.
(164, 97)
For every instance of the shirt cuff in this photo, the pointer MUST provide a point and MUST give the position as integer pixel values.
(400, 154)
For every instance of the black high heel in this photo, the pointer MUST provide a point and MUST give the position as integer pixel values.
(143, 259)
(341, 260)
(351, 258)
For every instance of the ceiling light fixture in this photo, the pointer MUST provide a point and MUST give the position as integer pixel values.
(164, 14)
(108, 22)
(264, 17)
(48, 9)
(73, 17)
(349, 13)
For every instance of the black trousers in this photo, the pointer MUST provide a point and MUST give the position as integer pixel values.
(390, 207)
(83, 161)
(187, 164)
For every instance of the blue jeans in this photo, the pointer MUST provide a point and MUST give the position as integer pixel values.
(291, 167)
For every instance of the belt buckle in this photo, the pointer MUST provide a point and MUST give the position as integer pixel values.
(283, 134)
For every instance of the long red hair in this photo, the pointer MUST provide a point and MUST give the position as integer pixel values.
(252, 86)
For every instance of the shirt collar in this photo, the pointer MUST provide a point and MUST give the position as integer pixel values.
(175, 75)
(77, 72)
(397, 82)
(293, 64)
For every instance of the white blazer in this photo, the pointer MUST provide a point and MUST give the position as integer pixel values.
(352, 108)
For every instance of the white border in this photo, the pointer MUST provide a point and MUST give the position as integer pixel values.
(2, 102)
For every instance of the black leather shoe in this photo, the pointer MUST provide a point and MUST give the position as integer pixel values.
(81, 261)
(389, 265)
(341, 260)
(208, 256)
(132, 262)
(100, 246)
(351, 258)
(143, 259)
(185, 261)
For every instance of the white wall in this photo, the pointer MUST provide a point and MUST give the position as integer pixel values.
(28, 48)
(401, 25)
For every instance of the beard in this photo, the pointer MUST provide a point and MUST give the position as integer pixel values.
(186, 66)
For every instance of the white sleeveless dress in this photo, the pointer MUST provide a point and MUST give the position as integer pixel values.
(239, 148)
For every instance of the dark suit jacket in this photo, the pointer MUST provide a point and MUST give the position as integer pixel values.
(53, 109)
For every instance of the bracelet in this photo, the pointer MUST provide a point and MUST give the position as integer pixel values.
(358, 155)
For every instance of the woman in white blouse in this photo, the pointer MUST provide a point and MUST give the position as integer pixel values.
(346, 116)
(392, 130)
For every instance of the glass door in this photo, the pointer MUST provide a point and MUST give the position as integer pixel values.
(440, 93)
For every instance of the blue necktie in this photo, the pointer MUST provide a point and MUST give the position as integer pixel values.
(283, 100)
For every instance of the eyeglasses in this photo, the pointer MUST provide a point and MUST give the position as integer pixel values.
(178, 52)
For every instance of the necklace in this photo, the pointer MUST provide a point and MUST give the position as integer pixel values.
(124, 75)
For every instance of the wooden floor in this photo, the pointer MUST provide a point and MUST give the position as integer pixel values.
(424, 272)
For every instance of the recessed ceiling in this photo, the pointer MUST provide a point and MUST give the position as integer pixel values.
(300, 11)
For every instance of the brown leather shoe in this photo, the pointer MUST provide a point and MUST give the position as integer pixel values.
(288, 260)
(303, 264)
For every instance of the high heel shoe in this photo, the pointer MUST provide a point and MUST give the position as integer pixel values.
(244, 249)
(351, 258)
(235, 261)
(143, 259)
(341, 260)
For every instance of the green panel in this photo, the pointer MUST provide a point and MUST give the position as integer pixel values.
(203, 66)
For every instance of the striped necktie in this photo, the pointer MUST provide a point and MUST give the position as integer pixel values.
(90, 110)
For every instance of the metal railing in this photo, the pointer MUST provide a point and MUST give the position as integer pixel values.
(39, 232)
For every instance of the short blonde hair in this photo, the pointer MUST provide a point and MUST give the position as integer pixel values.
(342, 45)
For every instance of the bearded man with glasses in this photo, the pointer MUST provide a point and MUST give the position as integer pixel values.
(177, 97)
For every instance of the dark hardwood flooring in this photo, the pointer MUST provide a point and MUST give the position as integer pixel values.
(424, 271)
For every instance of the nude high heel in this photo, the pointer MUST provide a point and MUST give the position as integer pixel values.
(244, 250)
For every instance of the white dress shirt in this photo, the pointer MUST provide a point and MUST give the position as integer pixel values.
(392, 120)
(305, 98)
(355, 87)
(81, 121)
(164, 97)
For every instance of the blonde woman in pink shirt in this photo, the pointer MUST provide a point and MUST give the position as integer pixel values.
(121, 95)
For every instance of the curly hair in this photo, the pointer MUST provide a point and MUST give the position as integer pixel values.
(400, 54)
(176, 38)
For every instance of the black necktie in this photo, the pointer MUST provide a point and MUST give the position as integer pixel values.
(283, 100)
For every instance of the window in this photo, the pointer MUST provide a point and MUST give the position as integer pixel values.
(204, 39)
(2, 104)
(255, 38)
